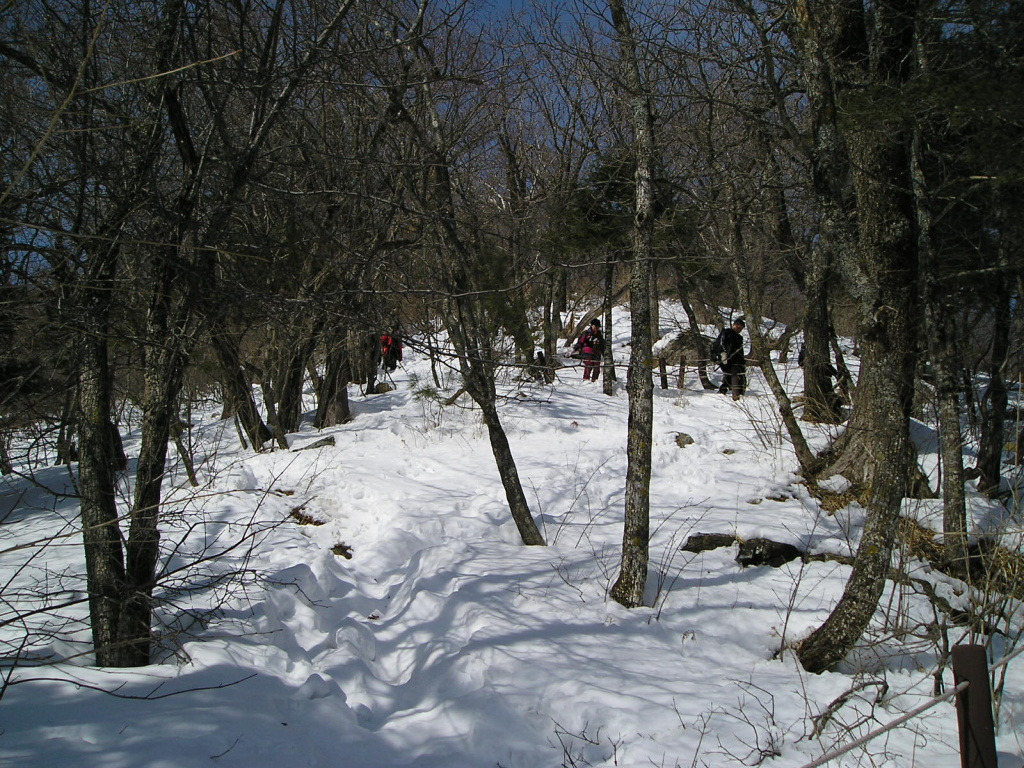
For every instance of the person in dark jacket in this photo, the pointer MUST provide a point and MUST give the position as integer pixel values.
(728, 349)
(590, 346)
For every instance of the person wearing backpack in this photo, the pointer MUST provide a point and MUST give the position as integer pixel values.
(390, 350)
(590, 346)
(728, 353)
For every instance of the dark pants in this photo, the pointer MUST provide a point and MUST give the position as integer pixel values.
(734, 379)
(591, 367)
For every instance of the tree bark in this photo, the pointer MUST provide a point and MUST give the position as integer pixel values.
(760, 352)
(101, 534)
(699, 342)
(478, 379)
(608, 354)
(632, 580)
(164, 367)
(6, 467)
(517, 503)
(469, 327)
(291, 379)
(332, 395)
(942, 354)
(237, 391)
(994, 400)
(883, 277)
(821, 405)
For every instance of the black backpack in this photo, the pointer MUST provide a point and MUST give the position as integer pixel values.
(716, 346)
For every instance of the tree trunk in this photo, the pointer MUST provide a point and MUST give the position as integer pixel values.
(994, 400)
(468, 333)
(607, 354)
(954, 502)
(469, 329)
(506, 464)
(273, 421)
(67, 450)
(104, 559)
(164, 366)
(878, 454)
(291, 380)
(940, 335)
(785, 342)
(101, 534)
(6, 467)
(699, 342)
(552, 326)
(238, 391)
(655, 302)
(877, 460)
(370, 347)
(629, 587)
(821, 405)
(760, 352)
(811, 269)
(883, 276)
(845, 378)
(332, 396)
(829, 643)
(831, 41)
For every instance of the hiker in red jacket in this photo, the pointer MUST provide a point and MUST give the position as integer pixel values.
(390, 350)
(590, 346)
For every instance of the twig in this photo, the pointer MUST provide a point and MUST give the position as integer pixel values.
(887, 727)
(152, 696)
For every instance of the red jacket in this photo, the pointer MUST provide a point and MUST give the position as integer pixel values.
(391, 346)
(591, 342)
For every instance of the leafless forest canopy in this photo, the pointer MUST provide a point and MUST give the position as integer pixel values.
(203, 199)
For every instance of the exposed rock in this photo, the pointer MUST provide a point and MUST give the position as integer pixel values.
(702, 542)
(766, 552)
(341, 549)
(752, 551)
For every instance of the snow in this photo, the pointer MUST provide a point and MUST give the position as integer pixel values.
(445, 643)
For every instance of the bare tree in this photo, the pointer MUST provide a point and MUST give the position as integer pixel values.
(882, 274)
(119, 175)
(464, 273)
(629, 586)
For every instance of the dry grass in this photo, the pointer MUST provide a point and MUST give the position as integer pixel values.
(831, 501)
(987, 566)
(299, 515)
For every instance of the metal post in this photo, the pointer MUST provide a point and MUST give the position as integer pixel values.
(974, 708)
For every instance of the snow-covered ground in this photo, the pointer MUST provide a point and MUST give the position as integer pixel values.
(445, 643)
